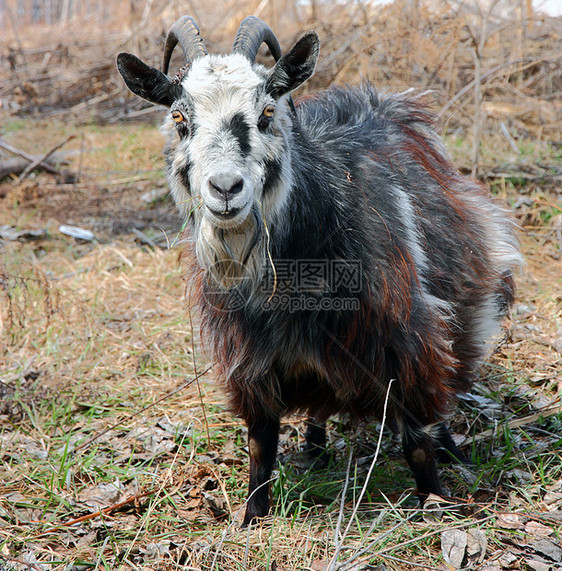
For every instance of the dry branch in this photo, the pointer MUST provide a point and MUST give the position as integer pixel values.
(30, 158)
(12, 166)
(42, 159)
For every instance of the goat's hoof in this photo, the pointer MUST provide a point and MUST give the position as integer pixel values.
(319, 458)
(252, 518)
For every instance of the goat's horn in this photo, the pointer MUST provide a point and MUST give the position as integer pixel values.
(250, 36)
(184, 32)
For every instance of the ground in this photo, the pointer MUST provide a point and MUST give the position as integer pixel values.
(117, 449)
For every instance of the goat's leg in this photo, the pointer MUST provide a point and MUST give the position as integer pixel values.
(262, 444)
(447, 451)
(421, 454)
(315, 444)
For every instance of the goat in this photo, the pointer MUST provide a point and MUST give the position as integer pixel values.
(335, 247)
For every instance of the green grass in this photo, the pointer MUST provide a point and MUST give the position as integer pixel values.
(12, 125)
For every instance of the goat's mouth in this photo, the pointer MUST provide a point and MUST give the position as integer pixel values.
(229, 217)
(226, 214)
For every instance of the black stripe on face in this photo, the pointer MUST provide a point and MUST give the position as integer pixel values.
(184, 175)
(241, 132)
(272, 174)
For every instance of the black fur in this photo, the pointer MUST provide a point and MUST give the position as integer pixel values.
(422, 252)
(294, 68)
(241, 132)
(147, 82)
(272, 174)
(357, 157)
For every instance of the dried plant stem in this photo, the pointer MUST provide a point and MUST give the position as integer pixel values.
(27, 156)
(151, 405)
(205, 420)
(477, 114)
(339, 542)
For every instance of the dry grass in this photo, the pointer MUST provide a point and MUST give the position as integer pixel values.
(107, 460)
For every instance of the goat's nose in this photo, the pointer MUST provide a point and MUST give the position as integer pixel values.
(225, 185)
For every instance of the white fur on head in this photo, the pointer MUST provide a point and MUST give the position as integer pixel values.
(224, 97)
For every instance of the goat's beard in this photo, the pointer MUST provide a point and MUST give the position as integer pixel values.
(231, 255)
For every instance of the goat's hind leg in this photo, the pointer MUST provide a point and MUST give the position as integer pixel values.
(447, 450)
(315, 444)
(421, 454)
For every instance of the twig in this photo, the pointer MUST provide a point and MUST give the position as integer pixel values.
(79, 175)
(144, 239)
(490, 72)
(509, 138)
(550, 178)
(103, 511)
(27, 156)
(477, 101)
(12, 166)
(337, 541)
(37, 162)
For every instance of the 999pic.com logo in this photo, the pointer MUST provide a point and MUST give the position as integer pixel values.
(302, 302)
(312, 285)
(286, 285)
(313, 276)
(227, 285)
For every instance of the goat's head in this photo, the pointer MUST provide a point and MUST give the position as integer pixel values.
(229, 166)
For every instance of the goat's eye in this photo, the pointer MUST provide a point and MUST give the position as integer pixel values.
(266, 117)
(178, 116)
(268, 111)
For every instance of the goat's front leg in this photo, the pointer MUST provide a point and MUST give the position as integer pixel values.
(263, 437)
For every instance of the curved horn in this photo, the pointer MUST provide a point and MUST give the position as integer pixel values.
(250, 36)
(184, 32)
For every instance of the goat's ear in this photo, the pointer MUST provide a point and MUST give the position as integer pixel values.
(294, 68)
(147, 82)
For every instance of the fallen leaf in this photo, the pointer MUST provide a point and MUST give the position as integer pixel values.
(87, 540)
(476, 545)
(519, 476)
(453, 546)
(433, 508)
(538, 529)
(101, 496)
(509, 521)
(538, 565)
(547, 548)
(552, 498)
(156, 551)
(215, 505)
(507, 560)
(15, 497)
